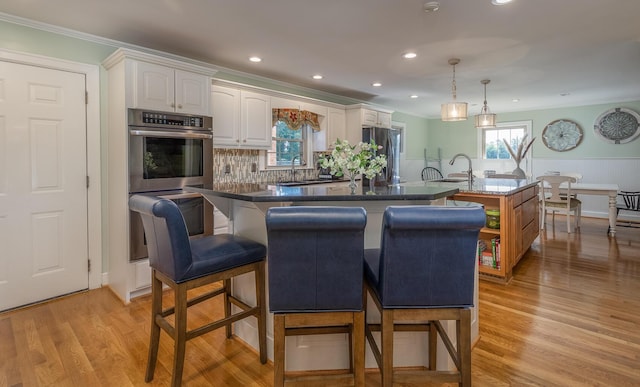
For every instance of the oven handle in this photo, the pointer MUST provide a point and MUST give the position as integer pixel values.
(184, 195)
(158, 133)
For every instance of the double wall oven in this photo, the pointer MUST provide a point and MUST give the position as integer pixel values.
(166, 152)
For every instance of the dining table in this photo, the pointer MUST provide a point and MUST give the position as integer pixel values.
(609, 190)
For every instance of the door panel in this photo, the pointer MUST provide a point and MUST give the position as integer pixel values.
(43, 194)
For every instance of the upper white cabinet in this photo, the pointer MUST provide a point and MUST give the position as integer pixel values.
(375, 118)
(255, 119)
(225, 109)
(166, 89)
(241, 118)
(361, 115)
(336, 126)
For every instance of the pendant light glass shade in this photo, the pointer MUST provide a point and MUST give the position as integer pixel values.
(454, 110)
(485, 119)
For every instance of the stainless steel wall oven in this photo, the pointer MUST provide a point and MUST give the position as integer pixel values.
(166, 152)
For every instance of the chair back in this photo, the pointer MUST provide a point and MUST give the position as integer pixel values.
(166, 233)
(315, 258)
(427, 256)
(430, 173)
(631, 200)
(554, 196)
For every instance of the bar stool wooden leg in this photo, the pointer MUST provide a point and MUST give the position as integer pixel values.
(387, 347)
(433, 345)
(357, 356)
(227, 305)
(262, 314)
(180, 334)
(278, 350)
(464, 346)
(156, 309)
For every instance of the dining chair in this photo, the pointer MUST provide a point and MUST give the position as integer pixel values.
(184, 264)
(431, 173)
(422, 273)
(553, 200)
(316, 258)
(630, 202)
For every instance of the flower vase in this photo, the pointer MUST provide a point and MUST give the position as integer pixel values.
(353, 185)
(519, 172)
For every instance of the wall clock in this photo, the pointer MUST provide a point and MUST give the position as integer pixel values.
(618, 126)
(562, 135)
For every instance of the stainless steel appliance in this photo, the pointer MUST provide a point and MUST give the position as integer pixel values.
(169, 150)
(389, 140)
(166, 152)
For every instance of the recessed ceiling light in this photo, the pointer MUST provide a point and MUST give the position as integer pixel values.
(500, 2)
(317, 76)
(565, 94)
(413, 96)
(431, 6)
(255, 59)
(376, 84)
(409, 55)
(515, 100)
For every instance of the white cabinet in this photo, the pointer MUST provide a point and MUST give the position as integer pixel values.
(166, 89)
(375, 118)
(225, 109)
(255, 119)
(241, 118)
(336, 126)
(364, 115)
(137, 79)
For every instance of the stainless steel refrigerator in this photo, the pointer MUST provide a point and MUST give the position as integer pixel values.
(389, 140)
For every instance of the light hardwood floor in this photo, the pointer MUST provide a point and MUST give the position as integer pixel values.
(569, 317)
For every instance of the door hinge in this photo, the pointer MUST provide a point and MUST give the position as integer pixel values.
(87, 181)
(86, 97)
(89, 265)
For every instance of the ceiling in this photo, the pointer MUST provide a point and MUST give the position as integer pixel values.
(545, 53)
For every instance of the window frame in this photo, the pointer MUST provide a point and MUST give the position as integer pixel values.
(505, 165)
(302, 159)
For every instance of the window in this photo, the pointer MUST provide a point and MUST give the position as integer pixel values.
(493, 154)
(287, 144)
(493, 144)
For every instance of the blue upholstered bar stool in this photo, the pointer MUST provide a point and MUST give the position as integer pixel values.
(423, 273)
(185, 264)
(315, 265)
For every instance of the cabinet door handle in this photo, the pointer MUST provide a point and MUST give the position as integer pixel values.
(173, 105)
(179, 106)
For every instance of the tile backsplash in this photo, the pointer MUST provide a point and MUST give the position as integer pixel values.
(243, 166)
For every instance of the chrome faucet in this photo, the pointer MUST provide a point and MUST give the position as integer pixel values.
(470, 171)
(293, 167)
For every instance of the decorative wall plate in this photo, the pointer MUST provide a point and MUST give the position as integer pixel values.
(618, 126)
(562, 135)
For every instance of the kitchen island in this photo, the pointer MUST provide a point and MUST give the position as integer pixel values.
(246, 204)
(513, 232)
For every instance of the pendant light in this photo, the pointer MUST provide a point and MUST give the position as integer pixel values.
(485, 119)
(454, 111)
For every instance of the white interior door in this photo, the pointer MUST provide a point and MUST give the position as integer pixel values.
(43, 194)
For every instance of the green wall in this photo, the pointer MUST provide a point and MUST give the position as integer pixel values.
(455, 137)
(415, 137)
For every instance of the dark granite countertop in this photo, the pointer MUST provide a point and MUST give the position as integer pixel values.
(488, 185)
(324, 192)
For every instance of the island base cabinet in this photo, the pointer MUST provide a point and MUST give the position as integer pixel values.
(499, 250)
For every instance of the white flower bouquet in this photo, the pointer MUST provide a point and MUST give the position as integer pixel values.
(351, 160)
